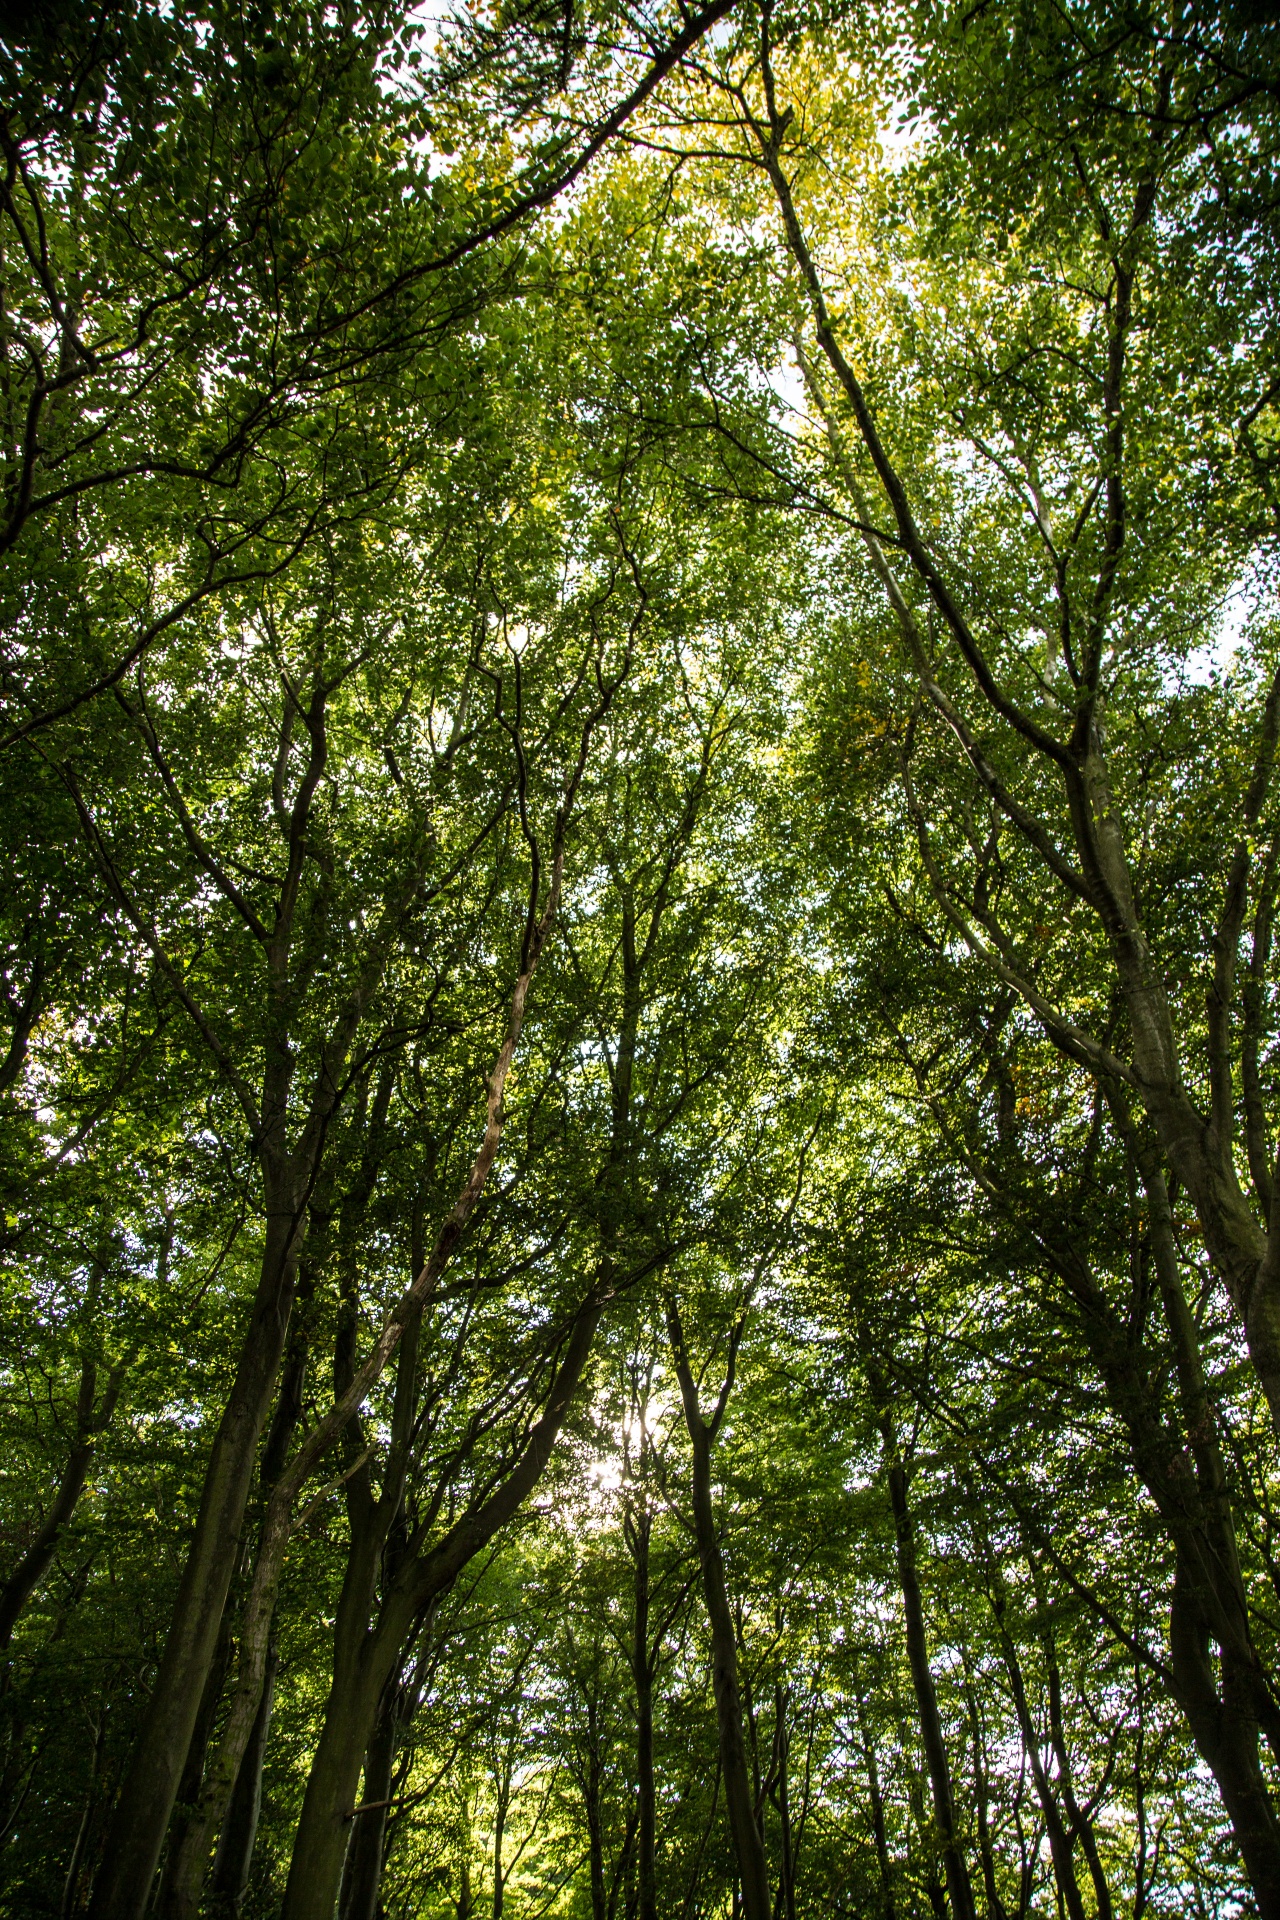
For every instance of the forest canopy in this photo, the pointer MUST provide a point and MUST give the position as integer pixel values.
(639, 1004)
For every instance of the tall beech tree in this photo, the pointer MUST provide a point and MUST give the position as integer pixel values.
(638, 1260)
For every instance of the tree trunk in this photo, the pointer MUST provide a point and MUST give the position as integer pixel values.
(499, 1833)
(71, 1885)
(191, 1836)
(935, 1747)
(362, 1876)
(594, 1803)
(753, 1870)
(364, 1658)
(935, 1892)
(646, 1792)
(235, 1849)
(31, 1569)
(1059, 1840)
(169, 1902)
(1209, 1600)
(150, 1787)
(1226, 1732)
(785, 1907)
(359, 1683)
(1081, 1824)
(879, 1826)
(91, 1420)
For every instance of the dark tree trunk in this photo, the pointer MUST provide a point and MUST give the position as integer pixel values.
(959, 1888)
(499, 1834)
(1188, 1486)
(593, 1806)
(34, 1564)
(646, 1792)
(753, 1870)
(935, 1892)
(879, 1826)
(188, 1860)
(91, 1419)
(1081, 1824)
(1059, 1840)
(71, 1885)
(785, 1908)
(996, 1909)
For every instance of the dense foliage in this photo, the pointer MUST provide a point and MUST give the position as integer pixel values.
(640, 1231)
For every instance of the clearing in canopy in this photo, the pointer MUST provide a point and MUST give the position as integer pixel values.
(639, 967)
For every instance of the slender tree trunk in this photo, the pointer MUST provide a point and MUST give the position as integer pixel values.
(982, 1801)
(646, 1792)
(959, 1887)
(190, 1836)
(362, 1876)
(71, 1885)
(620, 1881)
(935, 1892)
(1059, 1840)
(91, 1419)
(34, 1564)
(499, 1834)
(879, 1826)
(785, 1906)
(1209, 1600)
(235, 1849)
(594, 1803)
(753, 1870)
(360, 1679)
(1081, 1824)
(150, 1787)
